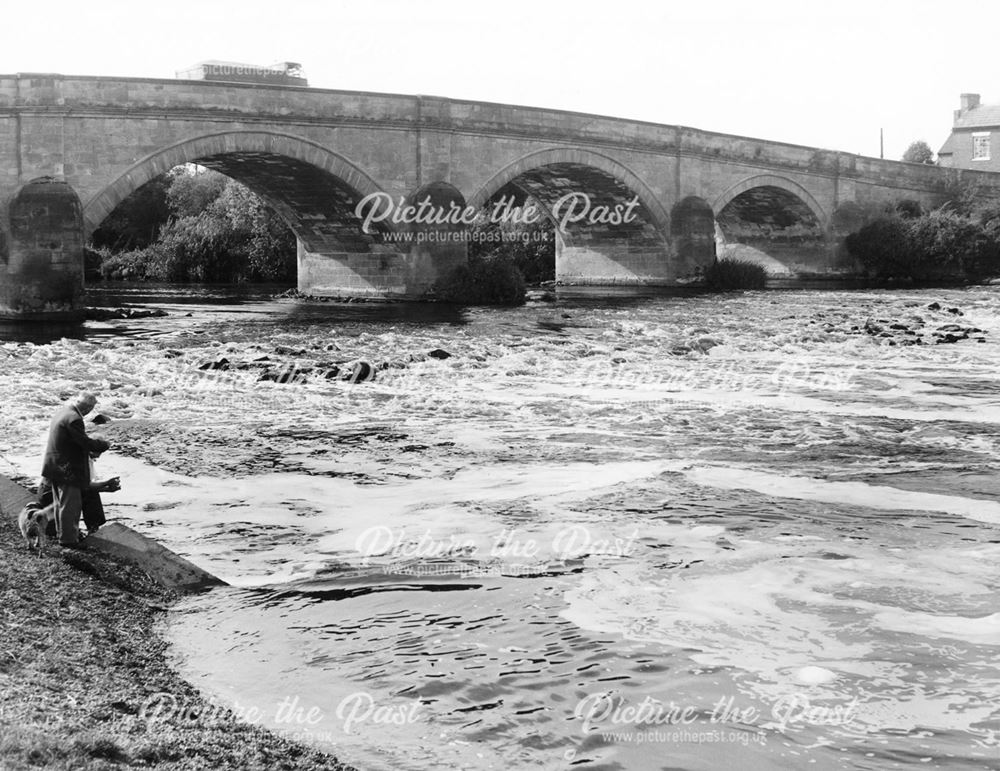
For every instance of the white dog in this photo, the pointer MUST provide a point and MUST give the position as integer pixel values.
(33, 522)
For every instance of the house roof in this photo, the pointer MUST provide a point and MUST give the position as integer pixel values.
(983, 116)
(949, 146)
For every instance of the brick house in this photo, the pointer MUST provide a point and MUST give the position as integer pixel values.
(975, 137)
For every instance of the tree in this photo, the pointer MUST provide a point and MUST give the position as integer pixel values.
(948, 245)
(192, 191)
(940, 246)
(883, 247)
(136, 222)
(908, 208)
(919, 152)
(218, 231)
(526, 241)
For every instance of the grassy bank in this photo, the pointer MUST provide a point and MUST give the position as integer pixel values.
(80, 656)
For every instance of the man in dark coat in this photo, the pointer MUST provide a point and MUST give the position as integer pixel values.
(67, 464)
(93, 506)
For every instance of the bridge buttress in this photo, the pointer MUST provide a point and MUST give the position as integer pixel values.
(406, 261)
(41, 253)
(401, 271)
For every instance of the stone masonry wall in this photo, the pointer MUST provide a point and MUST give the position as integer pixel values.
(104, 137)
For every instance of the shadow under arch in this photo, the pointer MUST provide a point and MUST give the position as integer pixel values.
(774, 222)
(610, 228)
(773, 181)
(442, 198)
(604, 172)
(314, 189)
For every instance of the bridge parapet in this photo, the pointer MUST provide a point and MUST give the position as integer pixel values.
(292, 105)
(315, 153)
(136, 95)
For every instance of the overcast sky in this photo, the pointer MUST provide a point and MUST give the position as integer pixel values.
(824, 74)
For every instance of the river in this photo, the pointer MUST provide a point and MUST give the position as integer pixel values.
(571, 543)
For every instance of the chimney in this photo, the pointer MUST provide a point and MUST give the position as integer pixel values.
(969, 101)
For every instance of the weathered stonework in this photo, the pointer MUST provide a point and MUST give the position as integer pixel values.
(42, 258)
(315, 153)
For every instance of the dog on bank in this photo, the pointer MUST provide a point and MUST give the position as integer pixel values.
(34, 521)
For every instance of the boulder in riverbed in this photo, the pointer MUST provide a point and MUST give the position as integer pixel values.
(286, 375)
(284, 350)
(705, 343)
(358, 372)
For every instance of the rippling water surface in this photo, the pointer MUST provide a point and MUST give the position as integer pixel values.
(571, 543)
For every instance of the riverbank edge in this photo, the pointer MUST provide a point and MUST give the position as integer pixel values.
(555, 290)
(83, 665)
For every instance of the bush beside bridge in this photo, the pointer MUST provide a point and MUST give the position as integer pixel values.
(960, 242)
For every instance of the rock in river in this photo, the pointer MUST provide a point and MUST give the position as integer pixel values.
(222, 364)
(358, 372)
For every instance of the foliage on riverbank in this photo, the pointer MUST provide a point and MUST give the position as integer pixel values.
(505, 255)
(727, 275)
(135, 223)
(529, 245)
(216, 231)
(80, 655)
(491, 281)
(960, 242)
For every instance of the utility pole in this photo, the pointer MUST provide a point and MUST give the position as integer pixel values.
(881, 144)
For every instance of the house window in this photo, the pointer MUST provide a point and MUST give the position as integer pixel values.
(981, 147)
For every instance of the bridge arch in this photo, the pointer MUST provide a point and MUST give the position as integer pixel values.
(773, 221)
(773, 181)
(313, 188)
(562, 158)
(630, 245)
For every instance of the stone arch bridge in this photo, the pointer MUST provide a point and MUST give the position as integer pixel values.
(72, 148)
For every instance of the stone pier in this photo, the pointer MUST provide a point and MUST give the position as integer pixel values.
(73, 147)
(41, 253)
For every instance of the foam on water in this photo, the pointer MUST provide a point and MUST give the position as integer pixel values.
(853, 493)
(566, 509)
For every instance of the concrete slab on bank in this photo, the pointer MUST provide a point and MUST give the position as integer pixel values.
(166, 568)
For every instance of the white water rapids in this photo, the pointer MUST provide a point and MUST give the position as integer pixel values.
(566, 546)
